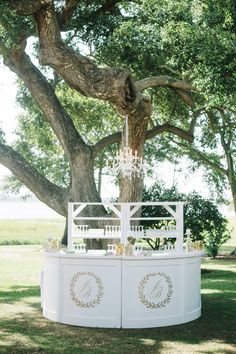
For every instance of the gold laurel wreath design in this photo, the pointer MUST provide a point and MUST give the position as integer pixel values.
(144, 300)
(88, 304)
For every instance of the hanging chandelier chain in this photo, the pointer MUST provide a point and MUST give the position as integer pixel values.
(125, 163)
(126, 131)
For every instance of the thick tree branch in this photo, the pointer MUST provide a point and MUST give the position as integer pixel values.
(168, 128)
(101, 144)
(159, 129)
(78, 71)
(47, 192)
(112, 84)
(193, 123)
(163, 80)
(43, 93)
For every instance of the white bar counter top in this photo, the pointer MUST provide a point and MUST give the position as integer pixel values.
(154, 255)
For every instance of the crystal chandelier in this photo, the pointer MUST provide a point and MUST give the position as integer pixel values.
(126, 163)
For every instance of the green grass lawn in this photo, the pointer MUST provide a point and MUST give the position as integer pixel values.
(23, 329)
(30, 231)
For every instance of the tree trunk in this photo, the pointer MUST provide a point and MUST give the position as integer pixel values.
(233, 189)
(64, 239)
(226, 142)
(131, 189)
(99, 180)
(232, 178)
(83, 189)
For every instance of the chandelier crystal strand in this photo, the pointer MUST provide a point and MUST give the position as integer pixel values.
(125, 163)
(126, 132)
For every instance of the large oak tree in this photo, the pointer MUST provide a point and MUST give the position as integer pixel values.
(131, 91)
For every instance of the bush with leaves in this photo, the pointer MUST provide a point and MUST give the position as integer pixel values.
(201, 216)
(213, 240)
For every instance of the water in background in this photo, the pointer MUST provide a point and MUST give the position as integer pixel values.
(29, 209)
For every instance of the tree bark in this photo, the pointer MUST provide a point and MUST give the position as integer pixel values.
(131, 189)
(50, 194)
(231, 173)
(232, 183)
(111, 84)
(45, 97)
(64, 239)
(100, 180)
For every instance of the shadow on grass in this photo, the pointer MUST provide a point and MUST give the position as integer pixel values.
(18, 292)
(31, 333)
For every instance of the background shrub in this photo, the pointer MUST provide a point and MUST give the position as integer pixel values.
(201, 216)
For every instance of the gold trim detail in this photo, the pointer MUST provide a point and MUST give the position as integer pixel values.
(151, 304)
(77, 300)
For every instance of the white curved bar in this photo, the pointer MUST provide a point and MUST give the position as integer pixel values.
(127, 292)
